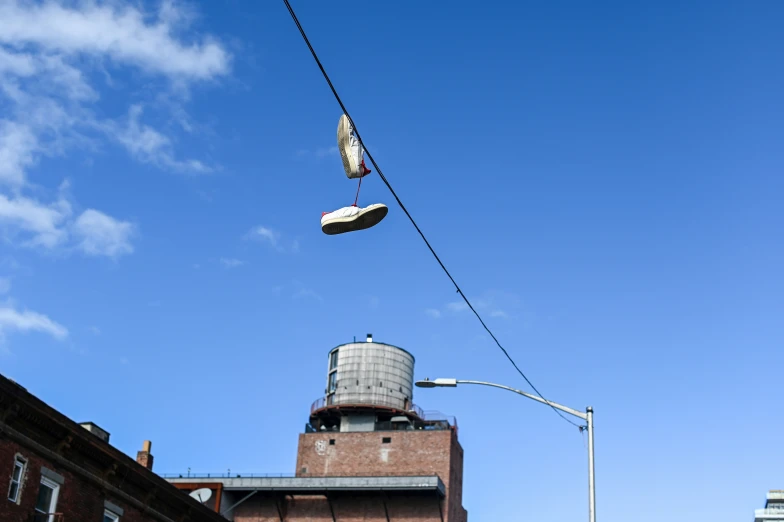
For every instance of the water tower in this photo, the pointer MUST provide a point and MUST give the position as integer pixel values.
(369, 384)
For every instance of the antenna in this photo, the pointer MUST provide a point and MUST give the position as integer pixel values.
(202, 494)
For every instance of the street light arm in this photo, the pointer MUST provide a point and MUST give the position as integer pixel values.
(564, 409)
(587, 417)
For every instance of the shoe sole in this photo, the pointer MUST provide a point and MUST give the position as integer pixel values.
(367, 218)
(344, 146)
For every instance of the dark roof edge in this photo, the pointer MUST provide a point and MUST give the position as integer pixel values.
(25, 399)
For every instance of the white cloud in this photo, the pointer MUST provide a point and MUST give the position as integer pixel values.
(307, 293)
(231, 262)
(43, 224)
(150, 146)
(102, 235)
(17, 146)
(457, 306)
(273, 238)
(491, 303)
(16, 63)
(50, 226)
(119, 32)
(263, 233)
(28, 321)
(327, 151)
(432, 312)
(51, 53)
(321, 152)
(303, 292)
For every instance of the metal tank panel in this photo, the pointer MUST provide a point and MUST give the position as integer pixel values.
(369, 373)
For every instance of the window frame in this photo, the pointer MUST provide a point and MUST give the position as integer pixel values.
(113, 517)
(21, 463)
(55, 487)
(332, 382)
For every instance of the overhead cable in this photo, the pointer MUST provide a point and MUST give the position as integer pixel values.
(413, 222)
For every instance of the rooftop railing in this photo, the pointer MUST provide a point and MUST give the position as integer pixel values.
(230, 474)
(323, 402)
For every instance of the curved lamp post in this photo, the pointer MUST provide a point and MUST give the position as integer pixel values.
(587, 417)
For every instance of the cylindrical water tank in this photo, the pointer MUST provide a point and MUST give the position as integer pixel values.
(372, 374)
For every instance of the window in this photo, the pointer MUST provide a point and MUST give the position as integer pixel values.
(333, 360)
(109, 516)
(47, 500)
(386, 440)
(333, 382)
(331, 442)
(16, 479)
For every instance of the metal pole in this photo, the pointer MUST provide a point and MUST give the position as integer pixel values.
(591, 485)
(587, 416)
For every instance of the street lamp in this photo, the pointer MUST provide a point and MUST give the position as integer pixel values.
(587, 417)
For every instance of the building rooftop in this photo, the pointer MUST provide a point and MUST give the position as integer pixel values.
(46, 433)
(318, 485)
(774, 507)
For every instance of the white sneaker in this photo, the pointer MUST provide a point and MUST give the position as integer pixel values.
(351, 151)
(350, 219)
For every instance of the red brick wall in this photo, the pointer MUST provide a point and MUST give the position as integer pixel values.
(79, 500)
(408, 453)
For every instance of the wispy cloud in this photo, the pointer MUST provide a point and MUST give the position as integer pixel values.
(266, 234)
(433, 312)
(272, 238)
(491, 303)
(149, 145)
(321, 152)
(230, 262)
(49, 52)
(297, 290)
(53, 225)
(119, 32)
(307, 293)
(457, 306)
(38, 224)
(327, 151)
(101, 235)
(5, 285)
(12, 319)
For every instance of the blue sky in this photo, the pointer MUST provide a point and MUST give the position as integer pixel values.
(603, 180)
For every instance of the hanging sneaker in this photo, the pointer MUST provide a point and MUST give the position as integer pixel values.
(351, 151)
(351, 219)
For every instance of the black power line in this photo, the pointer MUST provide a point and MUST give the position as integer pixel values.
(402, 206)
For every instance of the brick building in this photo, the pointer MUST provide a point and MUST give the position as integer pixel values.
(55, 470)
(367, 454)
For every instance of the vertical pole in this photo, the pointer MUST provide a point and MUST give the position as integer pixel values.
(591, 484)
